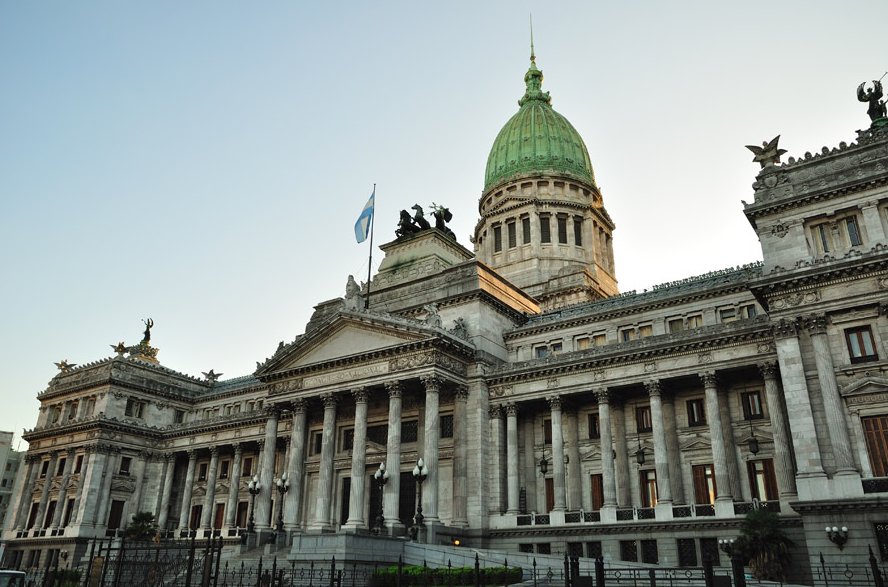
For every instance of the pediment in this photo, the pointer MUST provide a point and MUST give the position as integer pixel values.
(508, 202)
(866, 386)
(696, 443)
(348, 335)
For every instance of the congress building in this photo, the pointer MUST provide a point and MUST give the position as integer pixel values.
(552, 413)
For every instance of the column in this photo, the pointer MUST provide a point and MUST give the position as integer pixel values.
(134, 506)
(207, 514)
(391, 501)
(24, 492)
(607, 451)
(234, 486)
(169, 465)
(717, 439)
(730, 447)
(186, 491)
(673, 454)
(262, 514)
(873, 222)
(512, 459)
(557, 454)
(47, 484)
(325, 473)
(574, 482)
(661, 459)
(430, 448)
(460, 490)
(63, 489)
(296, 467)
(832, 399)
(621, 466)
(529, 466)
(798, 406)
(497, 471)
(783, 468)
(90, 483)
(112, 465)
(359, 462)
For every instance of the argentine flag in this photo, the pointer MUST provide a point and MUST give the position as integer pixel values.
(362, 226)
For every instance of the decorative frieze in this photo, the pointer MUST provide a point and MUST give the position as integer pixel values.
(795, 299)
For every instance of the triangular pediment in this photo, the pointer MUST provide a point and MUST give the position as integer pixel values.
(348, 335)
(866, 385)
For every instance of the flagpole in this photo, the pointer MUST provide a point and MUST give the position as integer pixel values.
(370, 260)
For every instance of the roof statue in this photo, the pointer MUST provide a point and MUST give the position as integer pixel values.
(874, 96)
(64, 366)
(144, 350)
(211, 376)
(120, 348)
(768, 153)
(149, 323)
(408, 225)
(352, 294)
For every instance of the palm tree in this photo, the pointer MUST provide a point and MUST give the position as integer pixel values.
(764, 546)
(142, 527)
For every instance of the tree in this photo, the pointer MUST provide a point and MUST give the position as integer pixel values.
(764, 546)
(143, 527)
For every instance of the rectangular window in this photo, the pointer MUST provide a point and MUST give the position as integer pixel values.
(593, 549)
(125, 463)
(628, 551)
(134, 408)
(728, 315)
(72, 411)
(555, 347)
(513, 235)
(752, 405)
(695, 321)
(696, 412)
(675, 325)
(447, 426)
(202, 472)
(497, 239)
(44, 469)
(853, 231)
(627, 334)
(348, 440)
(649, 553)
(762, 481)
(582, 343)
(78, 464)
(525, 230)
(599, 339)
(179, 417)
(61, 467)
(594, 430)
(409, 431)
(545, 234)
(747, 312)
(544, 548)
(705, 490)
(247, 468)
(378, 433)
(648, 484)
(875, 432)
(643, 422)
(562, 229)
(578, 231)
(526, 547)
(224, 467)
(541, 352)
(547, 431)
(709, 549)
(861, 347)
(597, 491)
(823, 236)
(645, 330)
(687, 552)
(317, 441)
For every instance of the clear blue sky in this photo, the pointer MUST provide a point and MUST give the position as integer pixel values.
(203, 163)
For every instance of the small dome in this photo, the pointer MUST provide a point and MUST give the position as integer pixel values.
(537, 140)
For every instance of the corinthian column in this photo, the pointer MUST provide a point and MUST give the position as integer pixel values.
(262, 513)
(359, 462)
(23, 501)
(234, 486)
(782, 446)
(393, 457)
(560, 504)
(430, 449)
(169, 465)
(833, 404)
(187, 490)
(608, 479)
(325, 474)
(61, 504)
(460, 458)
(47, 484)
(717, 438)
(495, 474)
(512, 492)
(207, 514)
(574, 483)
(296, 467)
(661, 457)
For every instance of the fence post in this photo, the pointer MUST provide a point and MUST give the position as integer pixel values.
(566, 571)
(218, 560)
(332, 571)
(599, 571)
(737, 570)
(400, 571)
(708, 579)
(105, 562)
(574, 568)
(877, 574)
(190, 568)
(477, 571)
(259, 574)
(652, 575)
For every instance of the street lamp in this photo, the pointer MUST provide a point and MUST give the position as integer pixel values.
(838, 536)
(382, 477)
(254, 487)
(420, 472)
(726, 545)
(753, 441)
(283, 485)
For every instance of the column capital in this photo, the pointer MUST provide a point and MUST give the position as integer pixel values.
(653, 387)
(709, 378)
(461, 394)
(785, 328)
(432, 383)
(273, 411)
(511, 409)
(168, 456)
(238, 449)
(214, 451)
(297, 406)
(192, 454)
(768, 369)
(495, 412)
(554, 402)
(815, 324)
(602, 395)
(329, 401)
(360, 394)
(394, 389)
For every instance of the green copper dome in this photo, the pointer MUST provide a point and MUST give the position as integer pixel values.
(537, 140)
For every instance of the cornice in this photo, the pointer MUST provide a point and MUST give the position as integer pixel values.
(808, 276)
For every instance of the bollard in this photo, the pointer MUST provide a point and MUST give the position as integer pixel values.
(599, 571)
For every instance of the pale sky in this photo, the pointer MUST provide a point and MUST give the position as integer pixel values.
(203, 163)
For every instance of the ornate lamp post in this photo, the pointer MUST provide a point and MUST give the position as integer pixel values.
(283, 485)
(382, 477)
(420, 472)
(254, 487)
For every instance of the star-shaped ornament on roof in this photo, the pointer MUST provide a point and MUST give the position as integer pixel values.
(768, 153)
(64, 366)
(211, 376)
(119, 348)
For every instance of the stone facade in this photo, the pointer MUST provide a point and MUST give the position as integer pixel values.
(638, 426)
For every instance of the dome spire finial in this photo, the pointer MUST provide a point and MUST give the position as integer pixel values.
(532, 55)
(533, 79)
